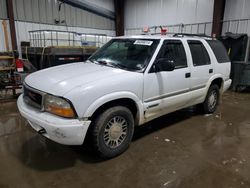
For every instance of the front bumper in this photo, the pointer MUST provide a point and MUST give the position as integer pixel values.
(61, 130)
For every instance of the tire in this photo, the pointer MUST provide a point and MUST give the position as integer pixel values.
(112, 131)
(212, 99)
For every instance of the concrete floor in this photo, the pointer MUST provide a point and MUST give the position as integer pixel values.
(182, 149)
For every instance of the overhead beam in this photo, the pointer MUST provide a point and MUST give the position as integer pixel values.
(218, 15)
(10, 14)
(119, 17)
(85, 5)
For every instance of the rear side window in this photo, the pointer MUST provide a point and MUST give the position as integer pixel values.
(199, 53)
(173, 50)
(219, 51)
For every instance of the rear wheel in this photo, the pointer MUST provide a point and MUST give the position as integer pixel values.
(112, 131)
(212, 99)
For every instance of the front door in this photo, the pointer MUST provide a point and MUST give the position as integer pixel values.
(167, 91)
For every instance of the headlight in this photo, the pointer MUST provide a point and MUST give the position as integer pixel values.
(58, 106)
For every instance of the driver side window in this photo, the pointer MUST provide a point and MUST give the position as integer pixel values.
(173, 50)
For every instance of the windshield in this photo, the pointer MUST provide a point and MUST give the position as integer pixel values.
(129, 54)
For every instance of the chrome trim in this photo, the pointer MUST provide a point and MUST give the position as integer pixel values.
(153, 105)
(173, 94)
(197, 87)
(166, 95)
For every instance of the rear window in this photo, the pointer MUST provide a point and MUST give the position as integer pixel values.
(219, 51)
(199, 53)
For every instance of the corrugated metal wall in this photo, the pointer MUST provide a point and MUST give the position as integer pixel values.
(141, 13)
(2, 39)
(47, 12)
(237, 9)
(107, 4)
(237, 16)
(3, 9)
(43, 14)
(3, 15)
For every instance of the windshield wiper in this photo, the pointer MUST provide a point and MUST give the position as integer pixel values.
(120, 66)
(98, 62)
(103, 62)
(112, 64)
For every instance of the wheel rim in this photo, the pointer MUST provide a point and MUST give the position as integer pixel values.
(115, 131)
(212, 100)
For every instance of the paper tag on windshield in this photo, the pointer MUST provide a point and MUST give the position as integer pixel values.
(143, 42)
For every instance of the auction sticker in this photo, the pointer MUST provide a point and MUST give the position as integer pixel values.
(143, 42)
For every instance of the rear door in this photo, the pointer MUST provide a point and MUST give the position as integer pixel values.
(201, 69)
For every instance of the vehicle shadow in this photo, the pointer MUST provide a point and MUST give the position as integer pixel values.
(42, 154)
(45, 155)
(164, 121)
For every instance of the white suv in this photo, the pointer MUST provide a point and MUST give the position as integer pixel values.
(126, 83)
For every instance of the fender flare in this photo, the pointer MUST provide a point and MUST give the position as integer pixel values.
(111, 97)
(212, 79)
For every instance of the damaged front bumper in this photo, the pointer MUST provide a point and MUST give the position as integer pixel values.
(61, 130)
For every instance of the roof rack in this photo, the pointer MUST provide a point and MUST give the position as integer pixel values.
(190, 35)
(157, 33)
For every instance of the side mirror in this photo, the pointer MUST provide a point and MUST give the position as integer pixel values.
(164, 64)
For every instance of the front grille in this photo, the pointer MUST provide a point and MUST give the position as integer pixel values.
(32, 97)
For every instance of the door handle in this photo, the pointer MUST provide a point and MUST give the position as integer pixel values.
(211, 71)
(188, 75)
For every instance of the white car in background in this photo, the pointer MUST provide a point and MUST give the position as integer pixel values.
(126, 83)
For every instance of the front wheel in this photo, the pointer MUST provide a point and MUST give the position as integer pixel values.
(112, 131)
(212, 99)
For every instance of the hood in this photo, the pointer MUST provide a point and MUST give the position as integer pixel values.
(62, 79)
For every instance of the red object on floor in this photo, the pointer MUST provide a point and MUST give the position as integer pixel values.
(19, 65)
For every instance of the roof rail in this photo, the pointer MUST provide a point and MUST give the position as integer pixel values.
(158, 33)
(190, 35)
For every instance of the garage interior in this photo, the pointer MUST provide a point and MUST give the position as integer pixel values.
(181, 149)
